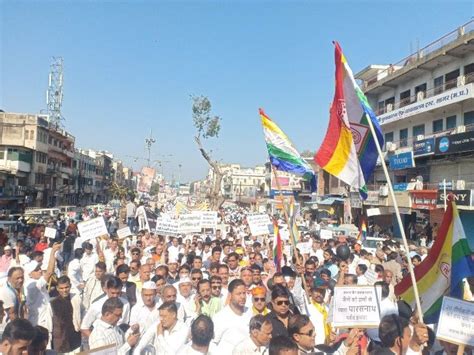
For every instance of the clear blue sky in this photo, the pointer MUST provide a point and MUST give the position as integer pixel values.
(131, 66)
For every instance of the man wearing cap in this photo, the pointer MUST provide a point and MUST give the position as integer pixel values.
(36, 289)
(185, 296)
(6, 259)
(145, 313)
(173, 275)
(259, 305)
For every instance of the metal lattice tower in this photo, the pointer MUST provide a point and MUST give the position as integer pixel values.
(54, 94)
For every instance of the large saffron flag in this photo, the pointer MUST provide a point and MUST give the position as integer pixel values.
(348, 151)
(283, 155)
(442, 271)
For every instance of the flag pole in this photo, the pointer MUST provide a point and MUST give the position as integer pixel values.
(399, 219)
(287, 219)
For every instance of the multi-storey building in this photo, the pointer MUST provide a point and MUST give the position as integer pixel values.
(35, 161)
(425, 106)
(84, 172)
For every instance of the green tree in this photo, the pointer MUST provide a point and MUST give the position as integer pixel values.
(208, 126)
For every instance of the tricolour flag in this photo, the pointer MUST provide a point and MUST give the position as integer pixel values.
(442, 271)
(348, 151)
(362, 231)
(277, 246)
(283, 155)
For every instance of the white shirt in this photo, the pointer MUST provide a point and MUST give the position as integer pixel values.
(88, 265)
(248, 347)
(109, 256)
(92, 290)
(37, 299)
(95, 312)
(317, 319)
(106, 334)
(144, 316)
(168, 343)
(230, 329)
(74, 273)
(319, 254)
(187, 349)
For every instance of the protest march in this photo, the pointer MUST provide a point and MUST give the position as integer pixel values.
(204, 278)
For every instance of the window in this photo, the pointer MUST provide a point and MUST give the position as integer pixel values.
(418, 89)
(381, 106)
(450, 122)
(418, 131)
(388, 137)
(27, 134)
(437, 125)
(403, 137)
(390, 101)
(2, 155)
(41, 158)
(405, 98)
(438, 85)
(50, 140)
(469, 73)
(468, 118)
(32, 135)
(451, 79)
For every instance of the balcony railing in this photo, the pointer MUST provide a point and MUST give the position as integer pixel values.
(421, 53)
(409, 142)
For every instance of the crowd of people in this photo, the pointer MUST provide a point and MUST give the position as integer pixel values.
(218, 292)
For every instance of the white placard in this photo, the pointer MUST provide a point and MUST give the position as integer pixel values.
(209, 219)
(325, 234)
(460, 313)
(355, 307)
(371, 276)
(166, 226)
(373, 212)
(304, 247)
(92, 228)
(124, 232)
(189, 223)
(258, 224)
(50, 232)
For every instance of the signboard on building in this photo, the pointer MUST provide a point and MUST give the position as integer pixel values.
(461, 197)
(461, 313)
(456, 143)
(373, 198)
(446, 98)
(356, 201)
(402, 161)
(424, 147)
(424, 199)
(146, 179)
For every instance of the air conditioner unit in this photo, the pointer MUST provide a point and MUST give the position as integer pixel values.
(461, 129)
(389, 107)
(383, 191)
(391, 147)
(461, 80)
(460, 185)
(420, 95)
(420, 137)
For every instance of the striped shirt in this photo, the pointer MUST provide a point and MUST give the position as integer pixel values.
(106, 334)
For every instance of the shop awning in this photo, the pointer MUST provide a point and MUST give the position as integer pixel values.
(329, 201)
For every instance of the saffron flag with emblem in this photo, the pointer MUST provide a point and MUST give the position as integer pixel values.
(442, 271)
(282, 154)
(277, 246)
(348, 151)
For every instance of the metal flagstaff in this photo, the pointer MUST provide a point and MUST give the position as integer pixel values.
(399, 219)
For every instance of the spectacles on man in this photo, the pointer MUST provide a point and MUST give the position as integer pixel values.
(308, 334)
(196, 278)
(259, 299)
(216, 287)
(280, 303)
